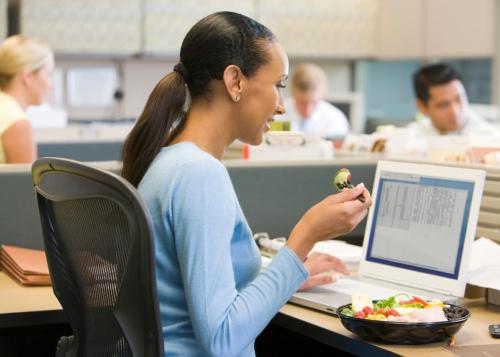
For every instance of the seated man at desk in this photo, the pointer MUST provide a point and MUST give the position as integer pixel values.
(442, 101)
(307, 111)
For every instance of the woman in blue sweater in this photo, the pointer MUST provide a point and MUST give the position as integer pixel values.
(214, 300)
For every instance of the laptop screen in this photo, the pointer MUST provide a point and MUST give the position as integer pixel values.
(420, 222)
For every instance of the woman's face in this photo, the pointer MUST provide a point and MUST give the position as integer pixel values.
(262, 96)
(40, 83)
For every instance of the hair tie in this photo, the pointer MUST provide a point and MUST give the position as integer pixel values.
(182, 70)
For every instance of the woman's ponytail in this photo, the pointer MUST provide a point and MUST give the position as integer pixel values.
(164, 111)
(212, 44)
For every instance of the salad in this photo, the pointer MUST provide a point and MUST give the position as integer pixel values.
(397, 308)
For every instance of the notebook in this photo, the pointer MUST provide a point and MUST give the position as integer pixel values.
(418, 236)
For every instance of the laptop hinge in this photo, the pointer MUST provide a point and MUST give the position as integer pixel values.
(404, 283)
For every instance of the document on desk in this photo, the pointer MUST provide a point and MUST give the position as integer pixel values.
(27, 266)
(484, 267)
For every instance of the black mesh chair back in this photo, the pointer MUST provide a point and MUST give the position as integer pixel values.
(100, 252)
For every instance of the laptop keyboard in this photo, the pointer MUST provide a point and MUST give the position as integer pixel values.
(351, 286)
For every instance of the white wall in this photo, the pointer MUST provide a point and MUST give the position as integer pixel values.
(140, 75)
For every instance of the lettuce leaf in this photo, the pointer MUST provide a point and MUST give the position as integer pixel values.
(390, 302)
(347, 312)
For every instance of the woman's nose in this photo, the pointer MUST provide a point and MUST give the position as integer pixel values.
(280, 109)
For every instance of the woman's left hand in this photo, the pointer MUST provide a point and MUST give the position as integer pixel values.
(321, 267)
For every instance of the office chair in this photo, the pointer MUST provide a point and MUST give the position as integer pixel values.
(100, 251)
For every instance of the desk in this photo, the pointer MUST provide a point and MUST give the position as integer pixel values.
(24, 306)
(328, 330)
(29, 306)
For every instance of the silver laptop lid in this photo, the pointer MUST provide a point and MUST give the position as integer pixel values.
(421, 226)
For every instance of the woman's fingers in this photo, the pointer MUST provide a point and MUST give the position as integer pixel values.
(318, 279)
(348, 194)
(332, 217)
(318, 263)
(338, 265)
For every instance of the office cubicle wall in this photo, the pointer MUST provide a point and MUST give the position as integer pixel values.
(82, 150)
(488, 224)
(274, 196)
(19, 219)
(104, 150)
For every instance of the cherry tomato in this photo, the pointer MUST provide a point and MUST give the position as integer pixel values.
(359, 315)
(391, 312)
(367, 310)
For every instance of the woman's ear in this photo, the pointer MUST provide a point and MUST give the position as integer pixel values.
(25, 77)
(233, 82)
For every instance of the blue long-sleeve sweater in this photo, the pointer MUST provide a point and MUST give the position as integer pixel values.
(213, 298)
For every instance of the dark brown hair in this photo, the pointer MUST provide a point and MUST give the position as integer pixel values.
(430, 76)
(212, 44)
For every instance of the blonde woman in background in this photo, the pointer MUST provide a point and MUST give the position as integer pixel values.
(26, 67)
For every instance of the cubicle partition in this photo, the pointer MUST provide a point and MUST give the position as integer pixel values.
(82, 150)
(19, 219)
(488, 224)
(273, 195)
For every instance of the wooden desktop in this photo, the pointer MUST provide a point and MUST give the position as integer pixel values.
(22, 306)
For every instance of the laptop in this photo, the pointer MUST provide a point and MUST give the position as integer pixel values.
(418, 236)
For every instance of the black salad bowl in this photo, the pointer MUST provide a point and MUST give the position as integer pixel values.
(406, 332)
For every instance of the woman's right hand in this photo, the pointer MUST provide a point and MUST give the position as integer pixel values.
(332, 217)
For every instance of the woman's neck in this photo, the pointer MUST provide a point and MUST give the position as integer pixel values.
(208, 127)
(18, 95)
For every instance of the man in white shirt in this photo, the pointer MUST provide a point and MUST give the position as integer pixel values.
(307, 111)
(442, 100)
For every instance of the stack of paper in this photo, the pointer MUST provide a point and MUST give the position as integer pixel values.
(28, 266)
(484, 266)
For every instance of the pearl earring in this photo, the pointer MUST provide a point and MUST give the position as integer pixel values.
(237, 98)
